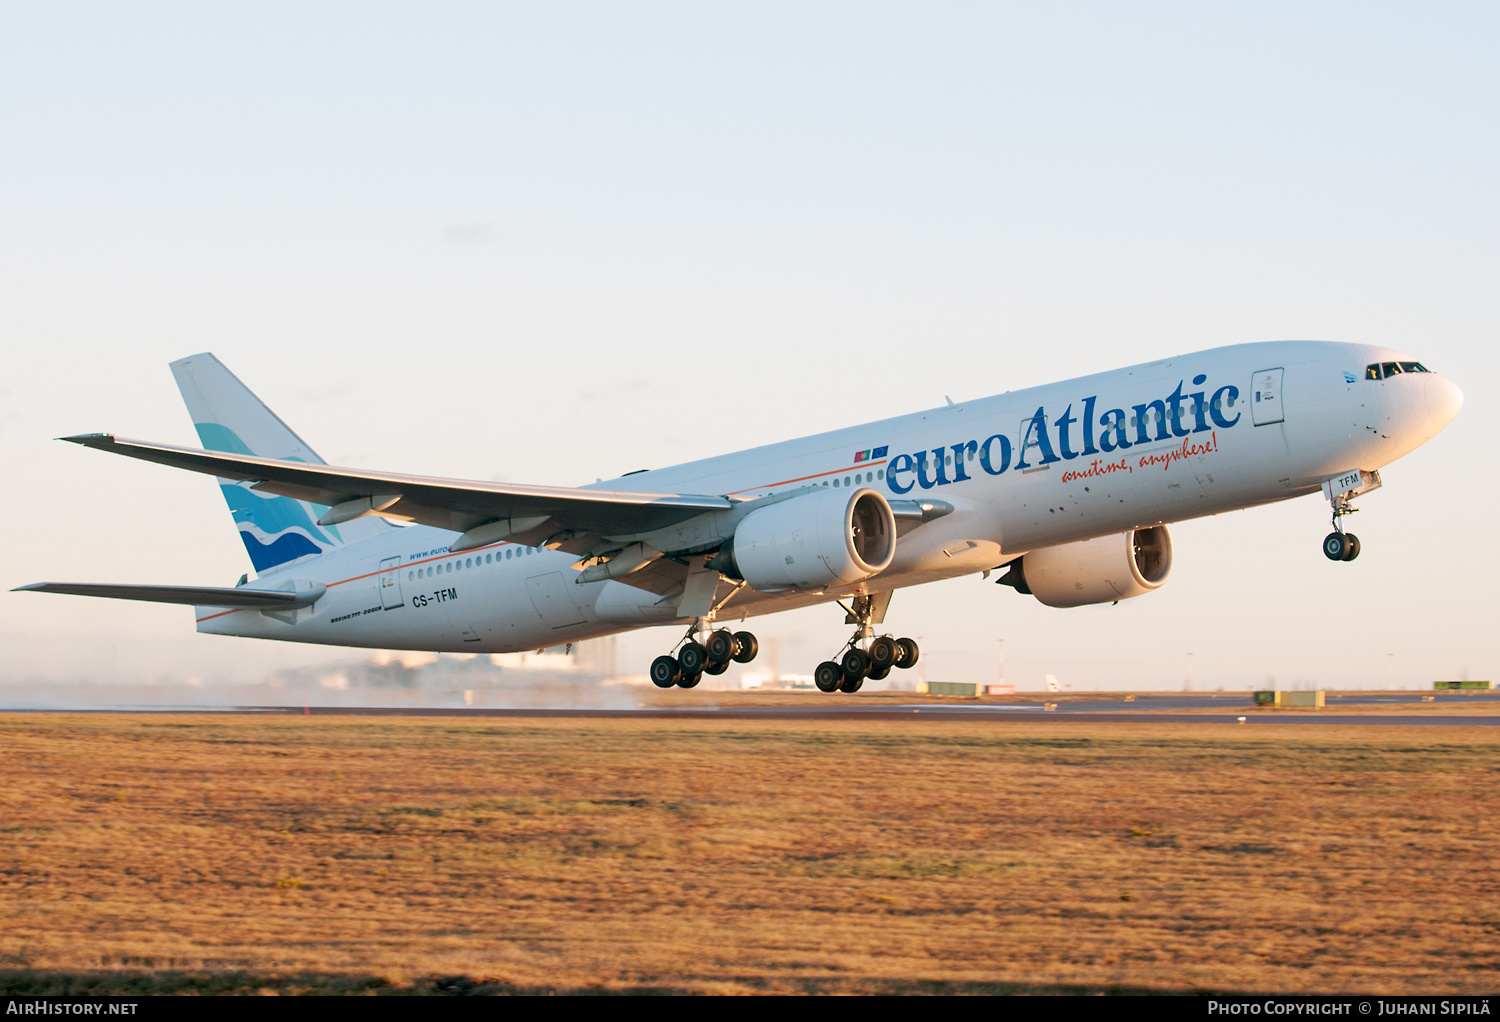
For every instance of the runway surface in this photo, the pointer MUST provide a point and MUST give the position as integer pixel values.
(935, 711)
(1139, 709)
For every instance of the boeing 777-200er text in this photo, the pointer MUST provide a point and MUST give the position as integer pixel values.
(1070, 487)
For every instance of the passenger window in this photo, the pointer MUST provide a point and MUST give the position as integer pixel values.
(835, 482)
(880, 472)
(846, 480)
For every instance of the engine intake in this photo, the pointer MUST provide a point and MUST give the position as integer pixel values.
(1101, 570)
(830, 537)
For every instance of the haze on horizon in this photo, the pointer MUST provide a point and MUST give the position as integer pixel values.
(554, 244)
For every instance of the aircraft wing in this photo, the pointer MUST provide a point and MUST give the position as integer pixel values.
(198, 596)
(458, 505)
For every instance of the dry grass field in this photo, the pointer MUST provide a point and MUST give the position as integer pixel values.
(389, 854)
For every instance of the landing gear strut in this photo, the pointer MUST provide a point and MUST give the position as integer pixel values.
(865, 655)
(1339, 545)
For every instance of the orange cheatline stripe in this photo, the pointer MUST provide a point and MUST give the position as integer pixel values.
(800, 479)
(859, 466)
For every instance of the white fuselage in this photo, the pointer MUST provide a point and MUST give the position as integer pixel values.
(1022, 470)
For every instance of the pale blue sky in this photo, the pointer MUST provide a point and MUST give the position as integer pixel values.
(553, 242)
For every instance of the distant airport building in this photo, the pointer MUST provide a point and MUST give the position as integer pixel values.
(1302, 700)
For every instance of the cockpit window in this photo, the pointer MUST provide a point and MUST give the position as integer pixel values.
(1385, 370)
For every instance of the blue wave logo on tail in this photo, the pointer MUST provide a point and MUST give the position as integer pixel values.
(275, 530)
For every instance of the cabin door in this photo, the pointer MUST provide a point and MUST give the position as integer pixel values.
(389, 581)
(1265, 397)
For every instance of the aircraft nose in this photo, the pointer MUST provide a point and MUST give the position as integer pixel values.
(1444, 399)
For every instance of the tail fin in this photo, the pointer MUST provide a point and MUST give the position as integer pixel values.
(229, 418)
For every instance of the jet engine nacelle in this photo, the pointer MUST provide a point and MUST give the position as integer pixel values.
(827, 538)
(1099, 570)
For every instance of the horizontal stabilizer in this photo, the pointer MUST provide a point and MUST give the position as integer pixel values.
(196, 596)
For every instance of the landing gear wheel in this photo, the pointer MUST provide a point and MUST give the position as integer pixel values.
(851, 685)
(690, 680)
(721, 647)
(716, 667)
(692, 658)
(748, 647)
(1336, 546)
(879, 673)
(883, 653)
(856, 664)
(828, 677)
(665, 672)
(1352, 542)
(907, 653)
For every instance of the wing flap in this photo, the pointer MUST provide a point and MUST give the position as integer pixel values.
(453, 504)
(664, 577)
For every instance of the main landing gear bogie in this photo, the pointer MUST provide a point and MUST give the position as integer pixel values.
(694, 659)
(873, 661)
(865, 655)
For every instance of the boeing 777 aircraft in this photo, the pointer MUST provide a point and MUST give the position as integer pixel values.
(1069, 487)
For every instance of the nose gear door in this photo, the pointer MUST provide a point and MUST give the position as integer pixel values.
(1265, 401)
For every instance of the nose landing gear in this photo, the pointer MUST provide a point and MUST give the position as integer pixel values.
(1339, 545)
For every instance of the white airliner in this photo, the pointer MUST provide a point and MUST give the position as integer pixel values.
(1070, 486)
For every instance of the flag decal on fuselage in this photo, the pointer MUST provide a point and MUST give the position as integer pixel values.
(871, 454)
